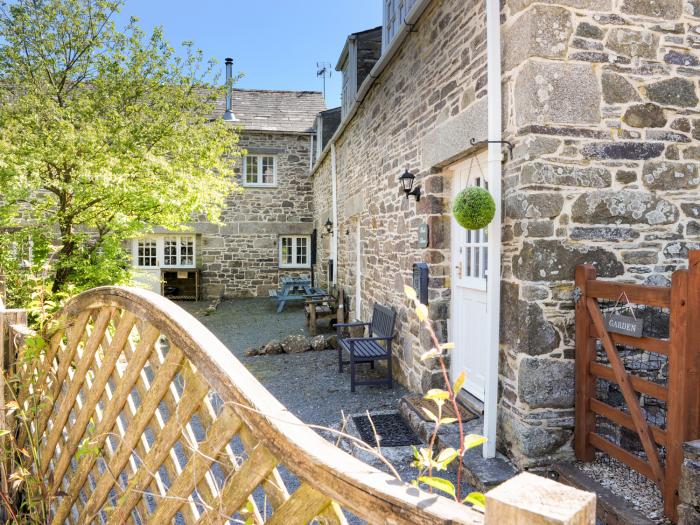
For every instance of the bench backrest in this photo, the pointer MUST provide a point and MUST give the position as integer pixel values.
(383, 320)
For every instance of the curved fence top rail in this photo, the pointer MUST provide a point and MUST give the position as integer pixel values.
(327, 474)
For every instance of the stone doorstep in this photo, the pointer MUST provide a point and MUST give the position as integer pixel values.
(482, 474)
(610, 509)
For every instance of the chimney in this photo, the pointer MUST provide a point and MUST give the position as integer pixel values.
(228, 114)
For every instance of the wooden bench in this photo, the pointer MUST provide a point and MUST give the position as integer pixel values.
(375, 346)
(330, 306)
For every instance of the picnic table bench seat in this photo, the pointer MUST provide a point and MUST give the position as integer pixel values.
(368, 349)
(329, 306)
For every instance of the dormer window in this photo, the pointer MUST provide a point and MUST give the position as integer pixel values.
(362, 50)
(395, 12)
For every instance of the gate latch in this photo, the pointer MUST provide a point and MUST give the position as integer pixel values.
(576, 294)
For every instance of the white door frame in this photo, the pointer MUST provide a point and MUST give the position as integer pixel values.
(493, 311)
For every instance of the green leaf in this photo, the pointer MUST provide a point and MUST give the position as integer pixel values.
(430, 415)
(459, 382)
(448, 420)
(437, 393)
(477, 499)
(430, 354)
(410, 293)
(422, 312)
(439, 484)
(473, 440)
(446, 456)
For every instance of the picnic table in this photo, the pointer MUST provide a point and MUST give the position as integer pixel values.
(295, 289)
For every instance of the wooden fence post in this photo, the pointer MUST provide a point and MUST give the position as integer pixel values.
(535, 500)
(585, 355)
(684, 335)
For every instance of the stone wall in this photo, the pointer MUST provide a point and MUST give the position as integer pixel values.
(601, 101)
(240, 257)
(438, 73)
(689, 490)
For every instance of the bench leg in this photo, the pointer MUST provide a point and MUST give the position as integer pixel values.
(391, 375)
(312, 319)
(352, 373)
(280, 306)
(340, 361)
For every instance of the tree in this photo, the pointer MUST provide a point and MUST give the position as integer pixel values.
(103, 133)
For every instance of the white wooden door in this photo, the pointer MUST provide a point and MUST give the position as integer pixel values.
(469, 318)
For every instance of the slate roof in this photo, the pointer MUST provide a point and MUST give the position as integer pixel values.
(269, 110)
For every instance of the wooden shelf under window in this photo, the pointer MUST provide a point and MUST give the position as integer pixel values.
(180, 284)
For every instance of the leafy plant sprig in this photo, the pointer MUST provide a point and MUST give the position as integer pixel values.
(424, 458)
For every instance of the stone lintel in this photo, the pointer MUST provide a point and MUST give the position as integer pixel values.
(449, 141)
(279, 228)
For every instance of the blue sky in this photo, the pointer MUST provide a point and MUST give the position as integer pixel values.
(275, 43)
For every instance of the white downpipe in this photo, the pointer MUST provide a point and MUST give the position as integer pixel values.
(493, 299)
(311, 152)
(334, 235)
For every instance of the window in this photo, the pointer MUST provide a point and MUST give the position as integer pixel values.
(147, 254)
(395, 12)
(171, 251)
(178, 250)
(294, 251)
(260, 170)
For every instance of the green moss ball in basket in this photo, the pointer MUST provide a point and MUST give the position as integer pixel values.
(474, 208)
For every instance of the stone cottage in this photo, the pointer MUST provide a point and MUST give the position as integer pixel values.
(267, 227)
(599, 101)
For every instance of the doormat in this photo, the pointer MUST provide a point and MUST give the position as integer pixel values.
(418, 403)
(391, 428)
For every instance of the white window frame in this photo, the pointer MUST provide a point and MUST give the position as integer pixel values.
(159, 242)
(295, 240)
(179, 244)
(475, 255)
(244, 171)
(153, 243)
(395, 12)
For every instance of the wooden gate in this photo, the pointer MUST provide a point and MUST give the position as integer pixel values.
(601, 356)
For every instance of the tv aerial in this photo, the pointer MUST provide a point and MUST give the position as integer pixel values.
(325, 70)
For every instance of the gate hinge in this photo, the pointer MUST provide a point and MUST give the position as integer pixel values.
(576, 294)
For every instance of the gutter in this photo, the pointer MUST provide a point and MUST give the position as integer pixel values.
(495, 155)
(387, 54)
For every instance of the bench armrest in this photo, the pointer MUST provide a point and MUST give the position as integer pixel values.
(353, 339)
(342, 325)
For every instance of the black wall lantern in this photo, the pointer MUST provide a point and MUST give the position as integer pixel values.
(406, 181)
(329, 226)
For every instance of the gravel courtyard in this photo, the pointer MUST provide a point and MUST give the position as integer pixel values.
(308, 383)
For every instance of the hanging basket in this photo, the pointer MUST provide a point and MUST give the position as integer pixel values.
(474, 208)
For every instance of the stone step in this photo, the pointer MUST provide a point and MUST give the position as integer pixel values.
(481, 473)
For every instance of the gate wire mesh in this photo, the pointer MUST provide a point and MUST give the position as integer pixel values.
(644, 364)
